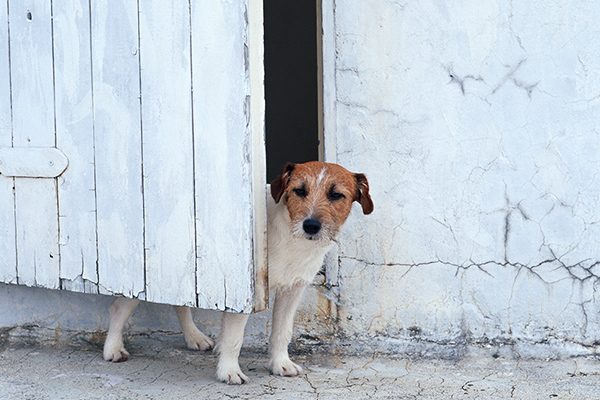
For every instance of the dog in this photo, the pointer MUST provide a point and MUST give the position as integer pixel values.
(310, 203)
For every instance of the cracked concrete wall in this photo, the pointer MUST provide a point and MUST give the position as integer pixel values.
(477, 125)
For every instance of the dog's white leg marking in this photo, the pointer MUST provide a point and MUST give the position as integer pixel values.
(195, 339)
(228, 346)
(120, 311)
(287, 300)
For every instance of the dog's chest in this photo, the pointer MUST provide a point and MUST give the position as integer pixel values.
(291, 260)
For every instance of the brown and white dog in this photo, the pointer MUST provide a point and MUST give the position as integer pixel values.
(311, 203)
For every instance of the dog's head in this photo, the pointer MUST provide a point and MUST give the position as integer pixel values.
(319, 197)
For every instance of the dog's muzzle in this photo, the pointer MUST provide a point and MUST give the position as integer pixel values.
(311, 226)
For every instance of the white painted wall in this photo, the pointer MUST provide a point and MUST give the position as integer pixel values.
(477, 124)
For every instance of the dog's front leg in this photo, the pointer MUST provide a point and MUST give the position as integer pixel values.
(120, 311)
(287, 300)
(228, 346)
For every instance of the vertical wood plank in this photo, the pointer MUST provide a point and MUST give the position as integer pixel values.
(168, 151)
(74, 136)
(256, 131)
(225, 225)
(33, 125)
(8, 260)
(116, 103)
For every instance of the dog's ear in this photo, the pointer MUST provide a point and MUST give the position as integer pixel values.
(280, 183)
(362, 193)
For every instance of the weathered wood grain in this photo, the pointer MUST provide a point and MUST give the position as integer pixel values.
(8, 260)
(75, 137)
(160, 112)
(116, 104)
(223, 155)
(256, 131)
(33, 125)
(168, 151)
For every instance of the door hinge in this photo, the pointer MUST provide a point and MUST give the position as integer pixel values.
(32, 162)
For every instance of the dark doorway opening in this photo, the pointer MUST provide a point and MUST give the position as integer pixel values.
(291, 83)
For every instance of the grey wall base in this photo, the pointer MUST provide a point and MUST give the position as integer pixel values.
(50, 317)
(36, 314)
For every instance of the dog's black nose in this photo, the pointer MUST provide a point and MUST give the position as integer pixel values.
(311, 226)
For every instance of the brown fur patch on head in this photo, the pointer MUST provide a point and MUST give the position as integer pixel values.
(362, 190)
(279, 184)
(320, 191)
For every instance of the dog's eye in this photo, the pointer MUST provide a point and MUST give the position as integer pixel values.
(300, 192)
(335, 196)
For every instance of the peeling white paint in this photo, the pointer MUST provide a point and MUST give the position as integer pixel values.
(159, 109)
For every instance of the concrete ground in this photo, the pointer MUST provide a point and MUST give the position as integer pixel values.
(162, 368)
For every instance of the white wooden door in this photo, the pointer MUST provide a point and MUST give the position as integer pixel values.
(156, 110)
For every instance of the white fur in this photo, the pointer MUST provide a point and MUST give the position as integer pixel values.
(120, 311)
(292, 258)
(293, 263)
(321, 175)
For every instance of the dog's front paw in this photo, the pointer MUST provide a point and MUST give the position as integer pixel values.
(232, 374)
(284, 367)
(198, 341)
(115, 351)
